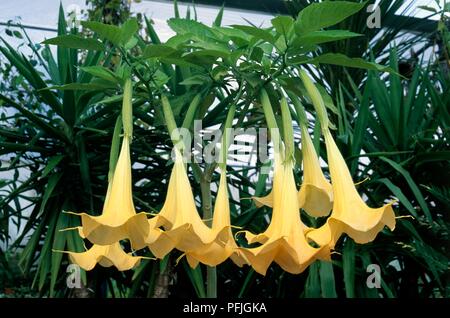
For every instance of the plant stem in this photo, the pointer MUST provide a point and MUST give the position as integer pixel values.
(211, 274)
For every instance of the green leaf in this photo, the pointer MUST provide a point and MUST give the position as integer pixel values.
(196, 278)
(101, 72)
(59, 242)
(35, 79)
(319, 37)
(45, 254)
(360, 126)
(179, 61)
(218, 20)
(160, 78)
(414, 188)
(258, 33)
(184, 26)
(249, 278)
(195, 80)
(151, 31)
(83, 86)
(51, 165)
(324, 14)
(128, 29)
(427, 8)
(51, 185)
(343, 60)
(312, 286)
(158, 50)
(349, 268)
(50, 130)
(109, 32)
(175, 9)
(72, 41)
(327, 280)
(283, 25)
(399, 195)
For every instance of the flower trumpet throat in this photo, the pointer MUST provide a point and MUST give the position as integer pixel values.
(119, 219)
(316, 194)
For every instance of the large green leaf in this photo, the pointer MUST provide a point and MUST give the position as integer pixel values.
(283, 25)
(128, 29)
(101, 72)
(110, 32)
(349, 267)
(319, 37)
(158, 50)
(184, 26)
(342, 60)
(327, 282)
(324, 14)
(258, 33)
(114, 34)
(75, 42)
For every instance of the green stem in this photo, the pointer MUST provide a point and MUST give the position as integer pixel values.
(316, 99)
(211, 274)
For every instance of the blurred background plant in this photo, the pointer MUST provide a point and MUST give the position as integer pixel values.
(59, 106)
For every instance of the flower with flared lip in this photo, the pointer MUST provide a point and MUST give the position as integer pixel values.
(159, 243)
(106, 256)
(315, 195)
(350, 213)
(284, 241)
(179, 217)
(119, 219)
(224, 245)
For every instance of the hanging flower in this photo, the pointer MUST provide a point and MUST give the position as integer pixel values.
(106, 256)
(284, 241)
(179, 217)
(223, 245)
(350, 213)
(315, 195)
(119, 219)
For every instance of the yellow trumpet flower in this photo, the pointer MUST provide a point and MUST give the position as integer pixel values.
(350, 213)
(119, 219)
(284, 241)
(179, 216)
(223, 245)
(316, 194)
(157, 240)
(106, 256)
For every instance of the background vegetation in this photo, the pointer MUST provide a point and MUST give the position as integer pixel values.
(59, 106)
